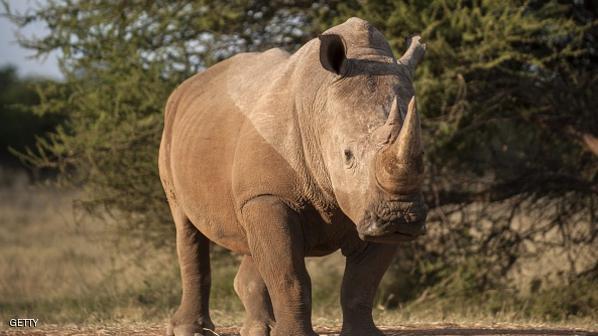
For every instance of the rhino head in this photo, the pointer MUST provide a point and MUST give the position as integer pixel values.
(372, 135)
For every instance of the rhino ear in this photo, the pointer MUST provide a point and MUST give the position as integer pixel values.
(332, 52)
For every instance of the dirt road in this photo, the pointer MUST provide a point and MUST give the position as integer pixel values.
(402, 330)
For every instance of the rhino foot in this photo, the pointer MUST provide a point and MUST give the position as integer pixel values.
(191, 329)
(256, 329)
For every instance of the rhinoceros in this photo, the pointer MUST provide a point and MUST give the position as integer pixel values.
(280, 156)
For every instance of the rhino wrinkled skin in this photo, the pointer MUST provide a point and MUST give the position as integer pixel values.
(278, 157)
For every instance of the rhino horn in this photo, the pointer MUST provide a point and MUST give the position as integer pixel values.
(388, 132)
(399, 166)
(409, 142)
(394, 116)
(414, 54)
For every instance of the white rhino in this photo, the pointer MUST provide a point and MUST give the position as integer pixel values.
(278, 157)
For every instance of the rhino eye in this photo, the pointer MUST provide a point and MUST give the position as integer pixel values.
(349, 158)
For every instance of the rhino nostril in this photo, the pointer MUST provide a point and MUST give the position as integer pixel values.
(373, 228)
(409, 218)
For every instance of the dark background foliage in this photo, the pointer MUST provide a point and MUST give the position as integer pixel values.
(507, 91)
(20, 125)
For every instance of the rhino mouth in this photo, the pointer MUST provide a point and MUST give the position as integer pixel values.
(389, 238)
(419, 229)
(391, 222)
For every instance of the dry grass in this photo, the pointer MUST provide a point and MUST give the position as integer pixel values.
(44, 254)
(61, 270)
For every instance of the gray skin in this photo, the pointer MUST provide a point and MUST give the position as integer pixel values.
(278, 157)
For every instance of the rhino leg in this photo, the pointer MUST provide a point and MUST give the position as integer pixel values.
(252, 291)
(275, 239)
(193, 249)
(363, 273)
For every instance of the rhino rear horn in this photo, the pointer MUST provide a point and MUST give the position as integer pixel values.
(388, 132)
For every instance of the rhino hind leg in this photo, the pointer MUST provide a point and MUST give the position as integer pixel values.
(193, 250)
(252, 291)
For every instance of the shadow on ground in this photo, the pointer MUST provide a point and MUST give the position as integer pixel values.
(155, 330)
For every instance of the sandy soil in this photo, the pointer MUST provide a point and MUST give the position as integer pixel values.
(403, 330)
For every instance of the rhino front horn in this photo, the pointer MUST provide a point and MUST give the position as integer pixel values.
(399, 166)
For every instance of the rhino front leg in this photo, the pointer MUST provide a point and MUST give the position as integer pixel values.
(363, 273)
(275, 239)
(252, 291)
(193, 250)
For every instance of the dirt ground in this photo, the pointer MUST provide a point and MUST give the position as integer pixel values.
(403, 330)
